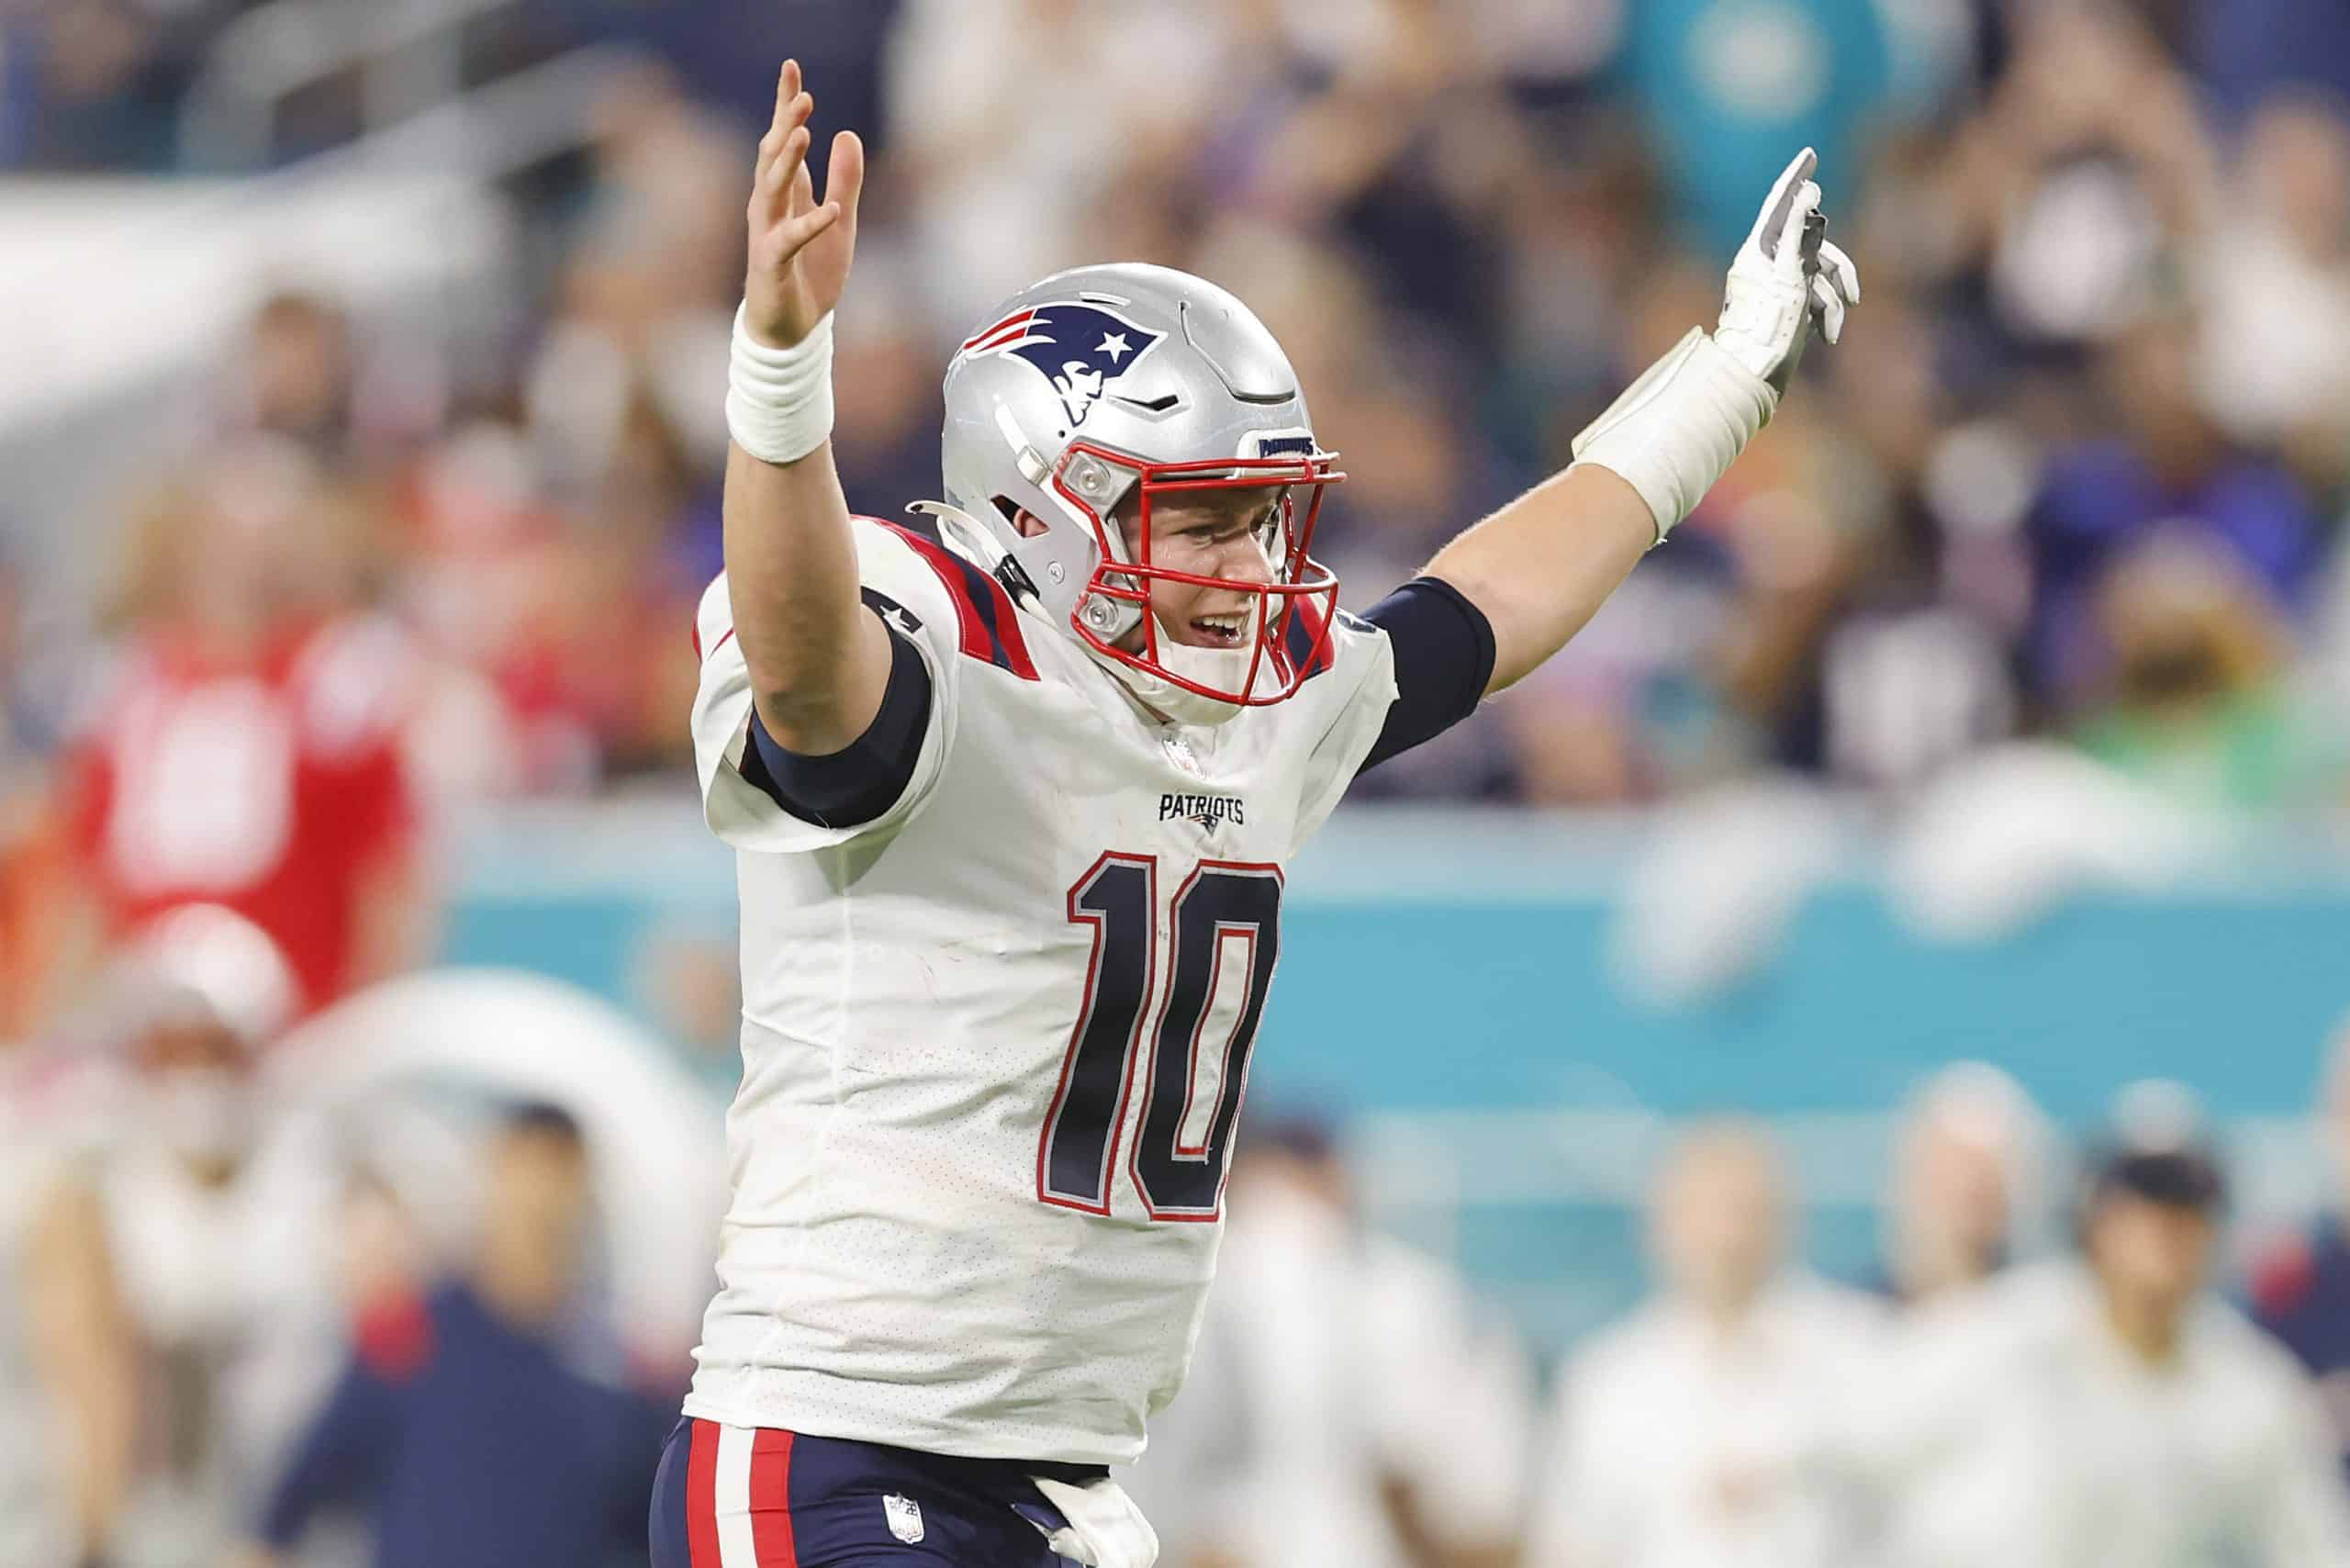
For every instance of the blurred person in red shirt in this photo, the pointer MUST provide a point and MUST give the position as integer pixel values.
(244, 749)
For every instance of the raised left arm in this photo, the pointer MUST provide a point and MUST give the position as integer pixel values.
(1541, 566)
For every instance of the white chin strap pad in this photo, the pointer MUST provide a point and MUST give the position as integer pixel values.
(1223, 669)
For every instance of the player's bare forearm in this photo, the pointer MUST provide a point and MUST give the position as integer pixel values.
(1542, 565)
(818, 662)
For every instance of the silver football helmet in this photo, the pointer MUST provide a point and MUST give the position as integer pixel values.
(1106, 385)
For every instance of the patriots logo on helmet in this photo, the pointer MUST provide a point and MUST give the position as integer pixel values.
(1080, 348)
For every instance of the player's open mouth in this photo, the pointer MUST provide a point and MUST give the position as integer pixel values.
(1220, 631)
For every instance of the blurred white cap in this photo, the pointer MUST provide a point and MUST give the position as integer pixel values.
(201, 961)
(2157, 1116)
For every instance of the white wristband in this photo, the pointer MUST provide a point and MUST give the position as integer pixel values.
(780, 401)
(1679, 427)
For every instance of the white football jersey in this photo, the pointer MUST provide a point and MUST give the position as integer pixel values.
(995, 1043)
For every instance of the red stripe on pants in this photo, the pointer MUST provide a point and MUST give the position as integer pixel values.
(701, 1497)
(771, 1499)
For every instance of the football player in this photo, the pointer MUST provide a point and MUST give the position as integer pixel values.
(1012, 784)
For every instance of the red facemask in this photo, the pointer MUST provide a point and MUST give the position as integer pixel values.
(1292, 613)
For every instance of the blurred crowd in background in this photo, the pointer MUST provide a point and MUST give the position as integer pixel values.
(2077, 472)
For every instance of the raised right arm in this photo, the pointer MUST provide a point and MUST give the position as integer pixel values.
(819, 660)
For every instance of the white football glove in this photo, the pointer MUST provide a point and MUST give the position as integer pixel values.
(1776, 290)
(1676, 429)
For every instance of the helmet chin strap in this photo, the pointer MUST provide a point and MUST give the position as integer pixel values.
(1224, 669)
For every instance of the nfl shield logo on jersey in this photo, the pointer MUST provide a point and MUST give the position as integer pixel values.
(904, 1516)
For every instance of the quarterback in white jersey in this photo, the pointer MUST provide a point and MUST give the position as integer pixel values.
(1012, 784)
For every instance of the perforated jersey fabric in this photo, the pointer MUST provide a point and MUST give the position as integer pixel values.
(994, 1041)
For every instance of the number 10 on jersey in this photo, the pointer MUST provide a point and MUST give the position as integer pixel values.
(1222, 906)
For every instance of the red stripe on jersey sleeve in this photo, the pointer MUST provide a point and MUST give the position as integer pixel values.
(985, 617)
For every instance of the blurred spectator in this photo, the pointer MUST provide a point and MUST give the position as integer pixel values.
(296, 377)
(2060, 207)
(26, 852)
(24, 737)
(66, 1393)
(2300, 1286)
(729, 56)
(2275, 285)
(458, 1424)
(1681, 1432)
(1965, 1166)
(245, 749)
(1014, 145)
(2248, 50)
(1459, 214)
(186, 1265)
(1350, 1404)
(97, 87)
(2171, 472)
(2197, 703)
(2108, 1410)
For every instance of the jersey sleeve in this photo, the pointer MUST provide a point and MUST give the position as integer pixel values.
(1444, 660)
(899, 583)
(1350, 700)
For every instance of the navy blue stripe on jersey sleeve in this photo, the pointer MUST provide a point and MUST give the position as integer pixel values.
(864, 779)
(1444, 656)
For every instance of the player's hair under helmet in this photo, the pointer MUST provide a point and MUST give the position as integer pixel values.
(1106, 384)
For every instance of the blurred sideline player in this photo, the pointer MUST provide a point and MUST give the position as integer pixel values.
(1965, 1160)
(459, 1424)
(66, 1395)
(183, 1277)
(2300, 1284)
(1343, 1379)
(1012, 786)
(1681, 1433)
(2112, 1409)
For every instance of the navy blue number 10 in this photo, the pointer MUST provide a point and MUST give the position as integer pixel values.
(1177, 1164)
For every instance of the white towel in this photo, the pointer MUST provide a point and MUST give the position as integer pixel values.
(1104, 1530)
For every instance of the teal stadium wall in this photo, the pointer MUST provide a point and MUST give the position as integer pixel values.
(1452, 973)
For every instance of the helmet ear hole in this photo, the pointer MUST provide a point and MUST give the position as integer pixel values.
(1024, 524)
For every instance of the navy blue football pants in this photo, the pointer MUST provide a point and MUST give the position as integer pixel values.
(756, 1498)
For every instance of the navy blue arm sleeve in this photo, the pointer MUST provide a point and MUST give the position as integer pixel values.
(1444, 656)
(341, 1459)
(862, 779)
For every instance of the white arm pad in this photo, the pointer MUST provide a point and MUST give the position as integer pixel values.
(1679, 427)
(780, 401)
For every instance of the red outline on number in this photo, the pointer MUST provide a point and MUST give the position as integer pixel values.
(1191, 1058)
(1149, 863)
(1150, 1079)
